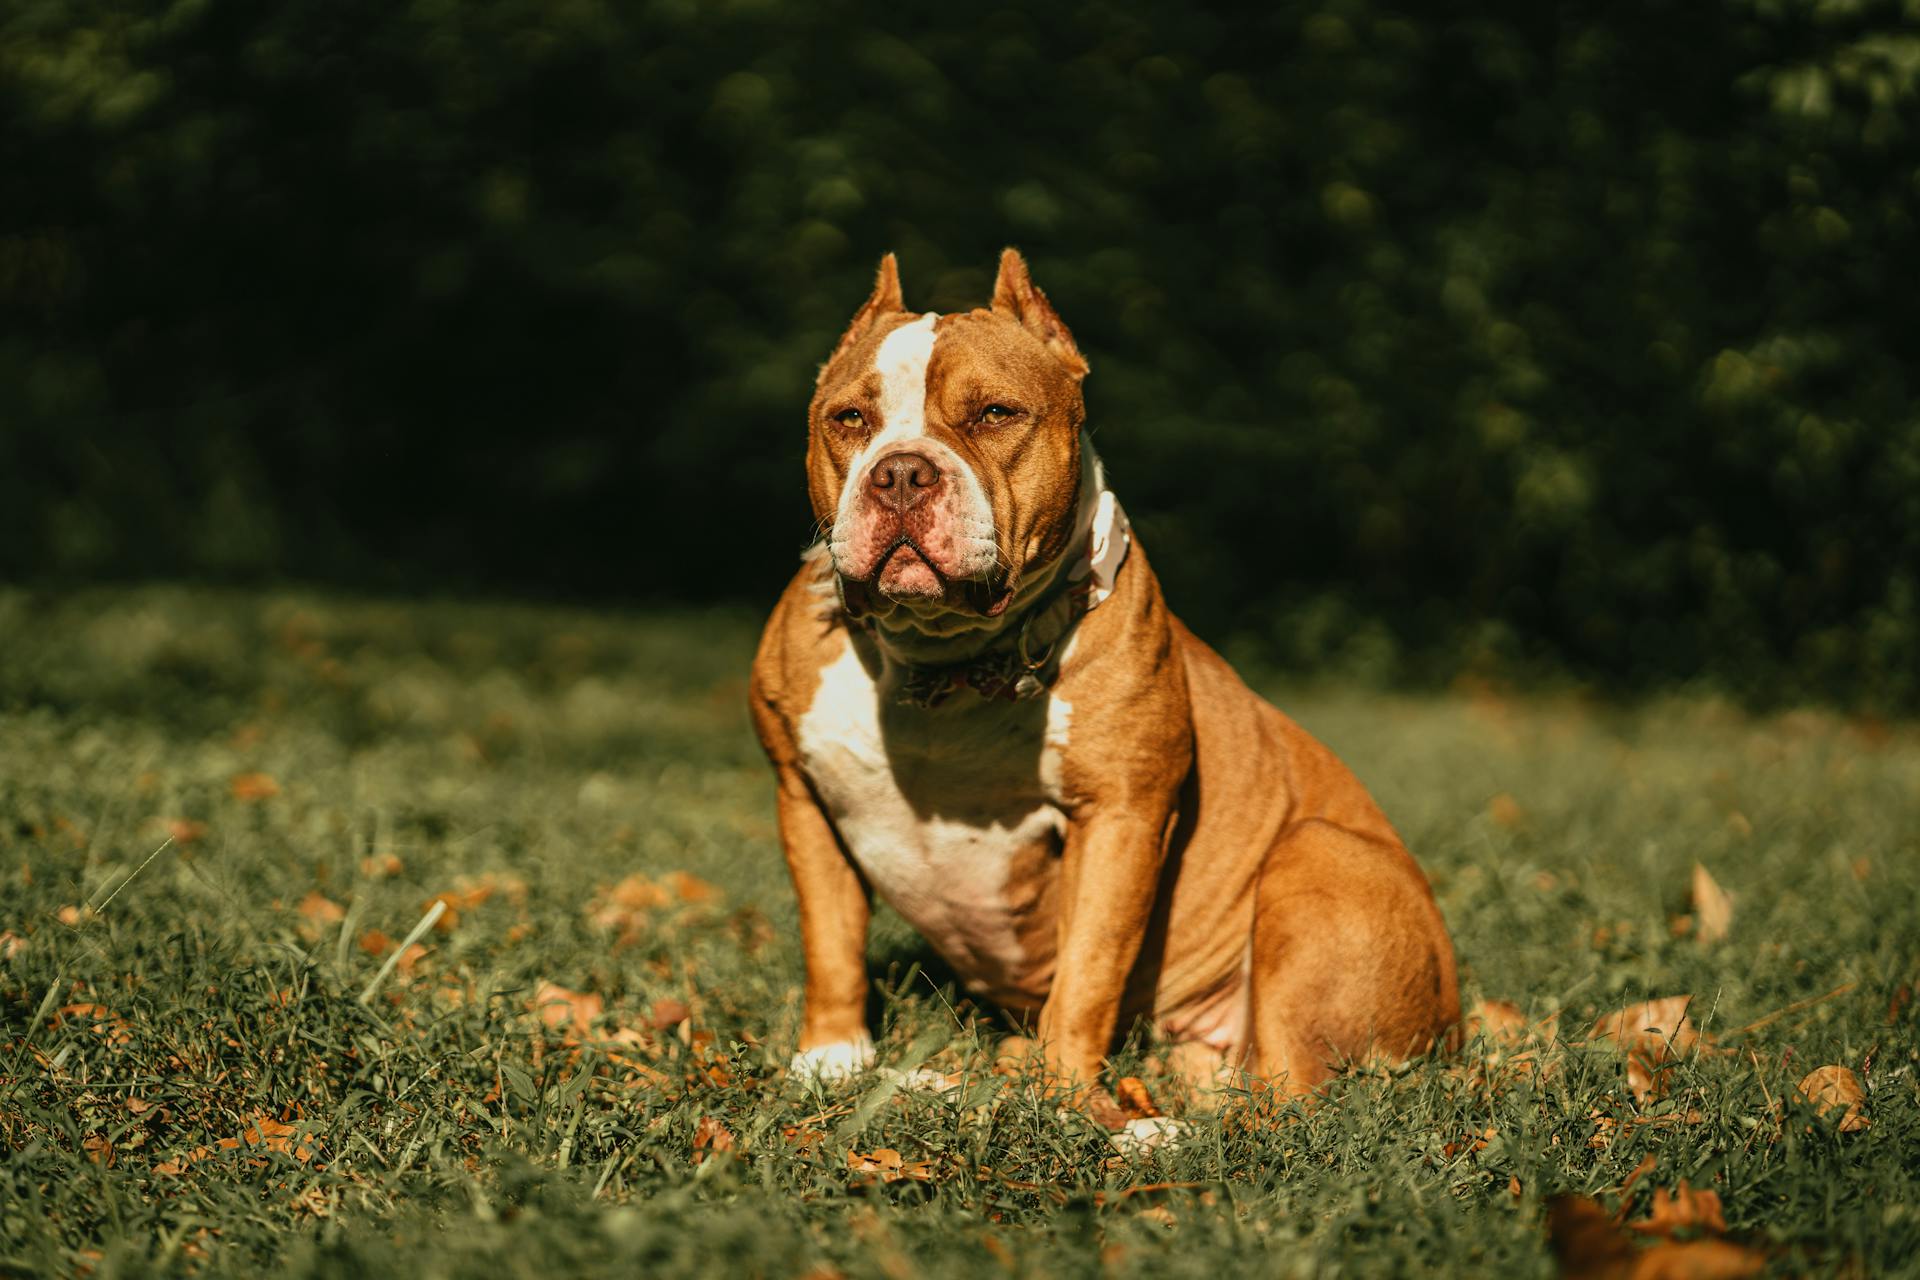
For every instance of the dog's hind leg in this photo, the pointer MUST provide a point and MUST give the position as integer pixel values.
(1351, 960)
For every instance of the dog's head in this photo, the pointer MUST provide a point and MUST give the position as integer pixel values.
(944, 452)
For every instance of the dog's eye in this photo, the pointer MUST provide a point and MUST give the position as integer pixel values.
(852, 419)
(995, 414)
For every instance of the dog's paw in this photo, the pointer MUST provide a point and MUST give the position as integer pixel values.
(920, 1080)
(829, 1063)
(1149, 1133)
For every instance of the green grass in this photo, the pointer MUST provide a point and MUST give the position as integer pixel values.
(447, 1130)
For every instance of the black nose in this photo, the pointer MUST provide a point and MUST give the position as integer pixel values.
(901, 481)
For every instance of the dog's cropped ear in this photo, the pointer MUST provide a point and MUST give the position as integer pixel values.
(1015, 294)
(884, 301)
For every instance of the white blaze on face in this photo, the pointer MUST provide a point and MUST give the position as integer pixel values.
(902, 362)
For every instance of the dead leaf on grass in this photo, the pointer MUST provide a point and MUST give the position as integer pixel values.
(569, 1012)
(1832, 1088)
(1712, 908)
(1655, 1035)
(376, 943)
(888, 1165)
(253, 786)
(1506, 812)
(1134, 1099)
(101, 1020)
(709, 1135)
(1682, 1209)
(274, 1135)
(1589, 1246)
(183, 831)
(320, 911)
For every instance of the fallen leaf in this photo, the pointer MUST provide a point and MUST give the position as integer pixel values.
(691, 888)
(274, 1135)
(570, 1012)
(628, 906)
(1506, 812)
(710, 1135)
(1131, 1093)
(101, 1020)
(1589, 1246)
(1646, 1166)
(889, 1165)
(73, 917)
(321, 909)
(253, 786)
(1682, 1209)
(376, 943)
(668, 1012)
(1473, 1142)
(1831, 1088)
(183, 830)
(1712, 908)
(381, 866)
(469, 892)
(1499, 1020)
(11, 944)
(1654, 1035)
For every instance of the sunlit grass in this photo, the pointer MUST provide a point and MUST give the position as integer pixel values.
(580, 1070)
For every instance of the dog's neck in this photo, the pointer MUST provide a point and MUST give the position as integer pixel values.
(1094, 550)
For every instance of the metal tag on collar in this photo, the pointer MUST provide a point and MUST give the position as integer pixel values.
(1030, 685)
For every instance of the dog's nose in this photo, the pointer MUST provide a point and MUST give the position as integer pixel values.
(901, 481)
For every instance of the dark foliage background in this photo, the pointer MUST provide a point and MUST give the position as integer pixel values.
(1507, 334)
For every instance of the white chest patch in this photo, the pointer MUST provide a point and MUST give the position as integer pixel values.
(952, 813)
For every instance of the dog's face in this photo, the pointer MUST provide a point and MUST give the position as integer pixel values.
(944, 450)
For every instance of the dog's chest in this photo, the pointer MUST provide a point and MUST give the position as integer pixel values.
(952, 814)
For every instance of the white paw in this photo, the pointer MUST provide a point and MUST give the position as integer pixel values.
(920, 1080)
(837, 1061)
(1149, 1133)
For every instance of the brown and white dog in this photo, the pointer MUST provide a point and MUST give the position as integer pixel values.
(978, 704)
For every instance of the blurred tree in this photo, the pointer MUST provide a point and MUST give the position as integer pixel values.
(1417, 339)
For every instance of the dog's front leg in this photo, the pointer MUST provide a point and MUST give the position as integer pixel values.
(834, 909)
(1111, 872)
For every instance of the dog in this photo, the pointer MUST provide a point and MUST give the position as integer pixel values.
(978, 705)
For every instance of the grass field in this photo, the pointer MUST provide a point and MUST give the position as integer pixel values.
(579, 1067)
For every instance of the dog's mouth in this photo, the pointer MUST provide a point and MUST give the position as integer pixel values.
(907, 574)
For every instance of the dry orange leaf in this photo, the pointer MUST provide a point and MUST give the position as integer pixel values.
(1682, 1209)
(1832, 1088)
(183, 830)
(1712, 908)
(381, 866)
(710, 1135)
(11, 944)
(889, 1165)
(469, 892)
(376, 943)
(690, 888)
(274, 1135)
(1506, 811)
(569, 1012)
(73, 917)
(1131, 1093)
(253, 786)
(1654, 1035)
(101, 1020)
(1499, 1020)
(1590, 1247)
(667, 1012)
(321, 909)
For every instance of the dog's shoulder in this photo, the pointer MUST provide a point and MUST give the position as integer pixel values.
(803, 634)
